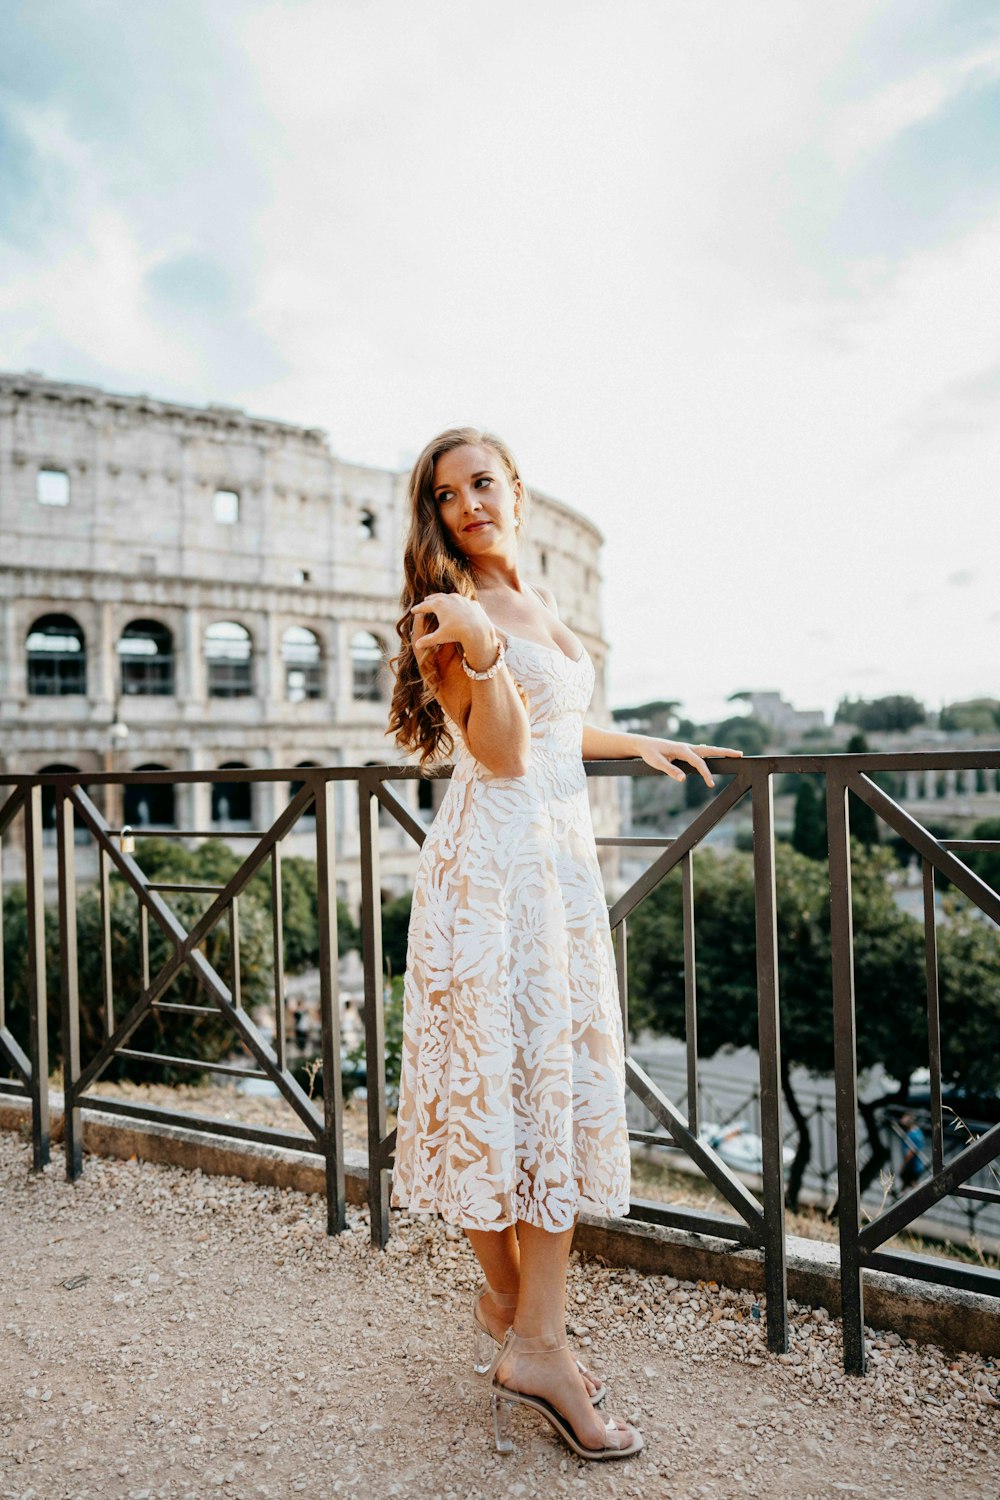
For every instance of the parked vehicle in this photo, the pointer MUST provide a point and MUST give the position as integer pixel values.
(738, 1147)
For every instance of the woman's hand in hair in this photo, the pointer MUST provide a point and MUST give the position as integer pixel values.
(460, 621)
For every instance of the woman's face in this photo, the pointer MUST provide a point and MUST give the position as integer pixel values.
(475, 498)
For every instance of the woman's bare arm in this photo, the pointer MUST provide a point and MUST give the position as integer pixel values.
(610, 744)
(490, 711)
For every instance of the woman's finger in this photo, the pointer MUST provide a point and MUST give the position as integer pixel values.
(690, 754)
(666, 764)
(716, 750)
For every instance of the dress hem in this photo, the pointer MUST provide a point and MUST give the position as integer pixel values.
(587, 1206)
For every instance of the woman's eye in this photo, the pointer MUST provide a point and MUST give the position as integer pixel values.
(485, 480)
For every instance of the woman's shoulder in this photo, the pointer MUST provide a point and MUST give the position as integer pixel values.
(547, 597)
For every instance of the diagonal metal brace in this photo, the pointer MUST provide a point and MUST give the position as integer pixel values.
(187, 954)
(979, 1153)
(730, 1186)
(916, 835)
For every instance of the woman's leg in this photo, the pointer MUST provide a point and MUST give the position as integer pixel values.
(541, 1315)
(499, 1256)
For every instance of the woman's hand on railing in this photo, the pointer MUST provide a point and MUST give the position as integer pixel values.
(661, 754)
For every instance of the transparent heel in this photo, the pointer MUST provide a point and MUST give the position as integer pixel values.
(501, 1423)
(621, 1440)
(484, 1345)
(483, 1348)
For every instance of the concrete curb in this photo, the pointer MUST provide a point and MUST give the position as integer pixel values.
(919, 1310)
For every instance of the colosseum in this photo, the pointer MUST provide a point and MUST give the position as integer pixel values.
(192, 588)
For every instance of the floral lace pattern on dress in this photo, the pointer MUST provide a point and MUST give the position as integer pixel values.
(512, 1092)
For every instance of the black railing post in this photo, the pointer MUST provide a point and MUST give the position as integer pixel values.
(69, 983)
(845, 1071)
(690, 991)
(329, 1004)
(38, 1024)
(769, 1045)
(620, 935)
(371, 932)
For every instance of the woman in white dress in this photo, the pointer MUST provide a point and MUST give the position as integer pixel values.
(512, 1095)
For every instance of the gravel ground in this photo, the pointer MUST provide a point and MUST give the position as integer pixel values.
(166, 1334)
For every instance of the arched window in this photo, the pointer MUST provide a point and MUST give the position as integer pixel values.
(146, 653)
(367, 656)
(81, 833)
(368, 524)
(229, 654)
(300, 651)
(57, 657)
(232, 801)
(147, 806)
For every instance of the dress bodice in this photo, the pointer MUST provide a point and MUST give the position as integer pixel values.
(557, 690)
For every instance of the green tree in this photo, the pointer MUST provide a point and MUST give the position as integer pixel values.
(897, 712)
(972, 716)
(743, 732)
(395, 923)
(809, 828)
(864, 823)
(888, 954)
(207, 1037)
(986, 862)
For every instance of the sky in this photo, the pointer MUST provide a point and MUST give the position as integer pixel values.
(725, 277)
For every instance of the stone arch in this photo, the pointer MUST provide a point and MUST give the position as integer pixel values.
(57, 657)
(368, 658)
(232, 801)
(229, 659)
(146, 806)
(146, 659)
(302, 655)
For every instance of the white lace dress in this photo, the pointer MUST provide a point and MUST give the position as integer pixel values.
(512, 1093)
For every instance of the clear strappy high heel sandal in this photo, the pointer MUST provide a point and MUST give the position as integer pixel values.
(503, 1396)
(484, 1345)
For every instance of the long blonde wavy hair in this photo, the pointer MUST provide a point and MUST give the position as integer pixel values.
(432, 564)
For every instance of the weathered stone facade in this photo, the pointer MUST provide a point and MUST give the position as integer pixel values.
(126, 516)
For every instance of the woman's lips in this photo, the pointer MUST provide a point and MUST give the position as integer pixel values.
(477, 524)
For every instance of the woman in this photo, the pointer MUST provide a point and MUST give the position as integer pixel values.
(512, 1096)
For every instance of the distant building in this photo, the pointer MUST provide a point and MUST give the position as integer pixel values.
(786, 722)
(191, 588)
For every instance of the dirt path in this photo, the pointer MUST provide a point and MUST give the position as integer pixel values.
(221, 1345)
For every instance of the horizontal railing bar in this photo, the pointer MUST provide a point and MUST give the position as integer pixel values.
(969, 844)
(650, 1138)
(696, 1220)
(633, 841)
(11, 1086)
(983, 1195)
(749, 765)
(212, 1124)
(954, 1273)
(170, 885)
(189, 833)
(178, 1005)
(231, 1069)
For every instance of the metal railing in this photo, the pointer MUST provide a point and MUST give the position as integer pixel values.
(756, 1221)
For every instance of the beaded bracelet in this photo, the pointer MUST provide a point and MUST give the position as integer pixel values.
(490, 671)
